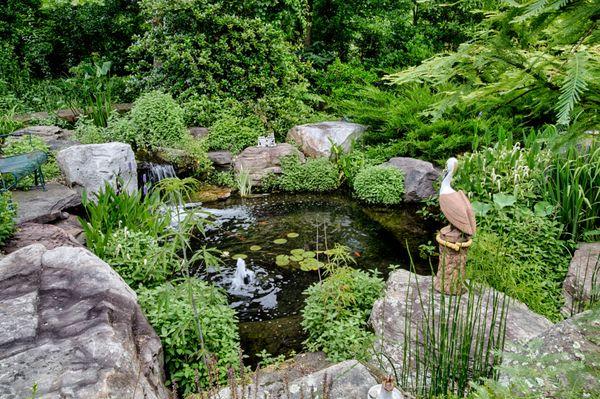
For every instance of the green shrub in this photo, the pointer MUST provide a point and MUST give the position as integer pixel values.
(22, 145)
(336, 313)
(113, 209)
(140, 258)
(169, 310)
(208, 48)
(520, 253)
(222, 179)
(315, 175)
(380, 185)
(234, 133)
(8, 211)
(158, 121)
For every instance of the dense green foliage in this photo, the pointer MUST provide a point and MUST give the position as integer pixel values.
(23, 145)
(380, 185)
(140, 258)
(8, 211)
(336, 313)
(169, 310)
(316, 175)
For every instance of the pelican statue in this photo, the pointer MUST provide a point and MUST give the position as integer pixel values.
(454, 204)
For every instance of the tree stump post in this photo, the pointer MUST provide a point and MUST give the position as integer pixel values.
(453, 258)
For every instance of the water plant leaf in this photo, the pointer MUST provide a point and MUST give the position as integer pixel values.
(239, 256)
(481, 208)
(297, 252)
(297, 258)
(292, 235)
(309, 254)
(504, 200)
(310, 264)
(282, 260)
(280, 241)
(255, 248)
(543, 208)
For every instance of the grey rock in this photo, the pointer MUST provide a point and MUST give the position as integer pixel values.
(198, 132)
(70, 224)
(48, 235)
(88, 167)
(221, 159)
(419, 177)
(410, 293)
(560, 361)
(261, 161)
(583, 278)
(70, 325)
(44, 206)
(348, 380)
(315, 139)
(55, 137)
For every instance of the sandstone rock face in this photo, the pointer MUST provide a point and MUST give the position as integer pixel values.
(44, 206)
(347, 380)
(70, 224)
(70, 325)
(402, 295)
(55, 137)
(315, 139)
(261, 161)
(583, 278)
(48, 235)
(88, 167)
(419, 177)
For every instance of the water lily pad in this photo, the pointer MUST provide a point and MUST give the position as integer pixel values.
(239, 256)
(280, 241)
(297, 258)
(297, 252)
(255, 248)
(309, 254)
(282, 260)
(310, 264)
(292, 235)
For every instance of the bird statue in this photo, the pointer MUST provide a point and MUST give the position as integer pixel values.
(454, 239)
(454, 204)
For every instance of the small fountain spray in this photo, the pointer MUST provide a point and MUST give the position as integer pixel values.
(242, 277)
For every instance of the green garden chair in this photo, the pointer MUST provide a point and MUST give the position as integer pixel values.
(22, 165)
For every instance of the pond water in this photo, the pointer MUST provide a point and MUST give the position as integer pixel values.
(261, 228)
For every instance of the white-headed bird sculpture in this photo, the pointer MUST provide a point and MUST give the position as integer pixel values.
(455, 239)
(454, 204)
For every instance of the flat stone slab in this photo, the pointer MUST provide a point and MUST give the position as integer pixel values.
(44, 206)
(583, 278)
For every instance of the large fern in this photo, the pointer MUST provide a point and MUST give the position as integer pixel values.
(575, 83)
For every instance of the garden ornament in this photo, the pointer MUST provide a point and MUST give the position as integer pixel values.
(454, 239)
(385, 390)
(266, 141)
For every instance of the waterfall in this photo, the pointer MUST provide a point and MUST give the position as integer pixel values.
(157, 172)
(242, 276)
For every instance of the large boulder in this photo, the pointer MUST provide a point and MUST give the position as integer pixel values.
(221, 159)
(262, 161)
(409, 293)
(583, 278)
(88, 167)
(315, 139)
(48, 235)
(45, 206)
(348, 380)
(72, 327)
(419, 177)
(561, 362)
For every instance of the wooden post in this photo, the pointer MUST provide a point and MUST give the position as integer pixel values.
(451, 268)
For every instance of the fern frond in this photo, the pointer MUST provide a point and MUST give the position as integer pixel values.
(574, 84)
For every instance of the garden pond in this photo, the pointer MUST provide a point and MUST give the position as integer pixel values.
(279, 235)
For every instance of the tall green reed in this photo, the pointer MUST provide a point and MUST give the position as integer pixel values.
(243, 182)
(572, 182)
